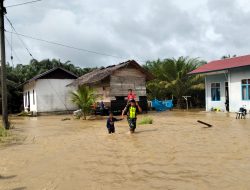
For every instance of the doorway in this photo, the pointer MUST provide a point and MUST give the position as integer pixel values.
(227, 96)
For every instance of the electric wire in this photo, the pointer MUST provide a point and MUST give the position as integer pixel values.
(64, 45)
(11, 48)
(20, 39)
(60, 44)
(10, 45)
(24, 3)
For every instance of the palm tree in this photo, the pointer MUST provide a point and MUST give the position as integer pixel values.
(180, 83)
(172, 76)
(84, 97)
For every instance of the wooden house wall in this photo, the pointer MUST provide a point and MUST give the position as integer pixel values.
(127, 78)
(102, 90)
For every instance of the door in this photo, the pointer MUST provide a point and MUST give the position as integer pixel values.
(28, 100)
(226, 96)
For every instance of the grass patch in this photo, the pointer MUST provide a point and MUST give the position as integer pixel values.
(9, 138)
(65, 119)
(3, 132)
(146, 120)
(23, 113)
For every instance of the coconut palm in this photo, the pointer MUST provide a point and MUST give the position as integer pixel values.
(84, 97)
(172, 75)
(180, 83)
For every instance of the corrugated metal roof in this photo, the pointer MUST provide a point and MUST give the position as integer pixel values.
(224, 64)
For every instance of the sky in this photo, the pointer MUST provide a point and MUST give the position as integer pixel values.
(129, 29)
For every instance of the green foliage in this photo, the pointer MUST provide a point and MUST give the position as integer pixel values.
(3, 132)
(65, 119)
(156, 89)
(23, 114)
(21, 73)
(172, 78)
(7, 136)
(84, 97)
(146, 120)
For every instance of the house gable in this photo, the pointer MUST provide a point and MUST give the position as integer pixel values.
(58, 74)
(55, 73)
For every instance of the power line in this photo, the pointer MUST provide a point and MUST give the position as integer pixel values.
(19, 37)
(60, 44)
(29, 2)
(10, 44)
(13, 51)
(67, 46)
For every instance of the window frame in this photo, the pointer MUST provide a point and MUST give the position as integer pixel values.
(215, 88)
(247, 85)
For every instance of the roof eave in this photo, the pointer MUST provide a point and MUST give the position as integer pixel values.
(225, 69)
(210, 72)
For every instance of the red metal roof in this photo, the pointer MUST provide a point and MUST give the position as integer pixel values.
(224, 64)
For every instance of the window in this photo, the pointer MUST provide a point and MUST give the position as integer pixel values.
(215, 91)
(245, 83)
(33, 97)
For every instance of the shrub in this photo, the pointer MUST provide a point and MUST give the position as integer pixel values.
(146, 120)
(3, 132)
(23, 113)
(84, 97)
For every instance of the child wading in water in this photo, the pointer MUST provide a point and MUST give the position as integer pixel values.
(132, 109)
(111, 123)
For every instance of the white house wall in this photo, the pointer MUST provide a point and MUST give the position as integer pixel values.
(219, 78)
(235, 97)
(31, 88)
(53, 95)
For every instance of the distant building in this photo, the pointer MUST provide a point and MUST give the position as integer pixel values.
(47, 92)
(227, 83)
(112, 83)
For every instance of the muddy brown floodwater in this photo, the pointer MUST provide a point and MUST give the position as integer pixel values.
(175, 152)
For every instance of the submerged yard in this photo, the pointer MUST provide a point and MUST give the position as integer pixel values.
(175, 152)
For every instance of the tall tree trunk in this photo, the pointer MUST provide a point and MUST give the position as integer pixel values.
(84, 115)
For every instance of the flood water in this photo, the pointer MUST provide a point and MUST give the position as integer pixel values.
(175, 152)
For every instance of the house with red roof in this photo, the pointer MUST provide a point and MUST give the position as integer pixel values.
(227, 83)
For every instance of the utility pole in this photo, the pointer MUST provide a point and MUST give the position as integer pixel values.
(3, 68)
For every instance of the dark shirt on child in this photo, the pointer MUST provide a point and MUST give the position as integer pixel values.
(111, 124)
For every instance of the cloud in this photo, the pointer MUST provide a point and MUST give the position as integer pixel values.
(141, 30)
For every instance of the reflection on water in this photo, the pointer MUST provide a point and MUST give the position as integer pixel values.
(175, 152)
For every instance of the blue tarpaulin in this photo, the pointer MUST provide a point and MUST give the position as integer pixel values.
(162, 105)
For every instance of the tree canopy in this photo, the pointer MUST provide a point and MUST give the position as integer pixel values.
(172, 78)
